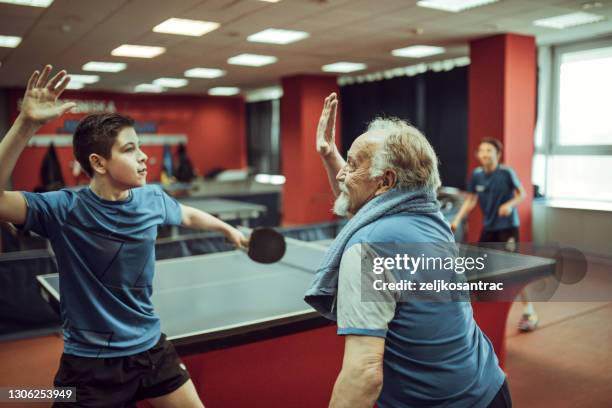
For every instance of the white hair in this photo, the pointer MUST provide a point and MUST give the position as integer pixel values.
(406, 151)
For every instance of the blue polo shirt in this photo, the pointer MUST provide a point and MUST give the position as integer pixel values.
(435, 353)
(494, 189)
(105, 251)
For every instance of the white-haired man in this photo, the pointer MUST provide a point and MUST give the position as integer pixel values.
(398, 352)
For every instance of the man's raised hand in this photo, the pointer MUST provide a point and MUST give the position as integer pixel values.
(327, 126)
(39, 104)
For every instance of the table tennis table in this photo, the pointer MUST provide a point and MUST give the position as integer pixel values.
(246, 334)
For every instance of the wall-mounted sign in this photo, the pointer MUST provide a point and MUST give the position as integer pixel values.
(85, 106)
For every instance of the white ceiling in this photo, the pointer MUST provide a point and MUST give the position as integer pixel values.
(72, 32)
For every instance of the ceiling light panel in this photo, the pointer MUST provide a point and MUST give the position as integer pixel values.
(417, 51)
(180, 26)
(98, 66)
(9, 41)
(569, 20)
(84, 79)
(149, 88)
(252, 60)
(278, 36)
(171, 82)
(32, 3)
(344, 67)
(137, 51)
(224, 91)
(454, 6)
(204, 73)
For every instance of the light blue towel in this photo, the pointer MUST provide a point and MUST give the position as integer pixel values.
(322, 292)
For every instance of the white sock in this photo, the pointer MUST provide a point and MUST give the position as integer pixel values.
(528, 309)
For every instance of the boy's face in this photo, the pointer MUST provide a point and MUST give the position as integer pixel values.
(127, 164)
(487, 154)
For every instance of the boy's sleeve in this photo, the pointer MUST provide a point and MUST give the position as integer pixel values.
(46, 212)
(516, 183)
(172, 209)
(358, 314)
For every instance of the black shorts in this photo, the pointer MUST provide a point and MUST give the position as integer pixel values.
(122, 381)
(499, 235)
(502, 399)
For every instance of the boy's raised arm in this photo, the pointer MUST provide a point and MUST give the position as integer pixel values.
(39, 106)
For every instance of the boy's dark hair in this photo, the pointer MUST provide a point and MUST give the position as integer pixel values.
(96, 134)
(492, 141)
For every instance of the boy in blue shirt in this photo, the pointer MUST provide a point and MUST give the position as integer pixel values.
(103, 237)
(498, 190)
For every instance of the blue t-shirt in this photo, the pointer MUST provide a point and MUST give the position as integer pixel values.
(435, 353)
(494, 189)
(105, 252)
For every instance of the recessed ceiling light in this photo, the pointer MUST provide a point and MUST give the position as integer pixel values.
(277, 36)
(180, 26)
(224, 91)
(569, 20)
(98, 66)
(137, 51)
(344, 67)
(591, 5)
(9, 41)
(84, 79)
(454, 6)
(75, 85)
(171, 82)
(204, 73)
(417, 51)
(33, 3)
(252, 60)
(149, 88)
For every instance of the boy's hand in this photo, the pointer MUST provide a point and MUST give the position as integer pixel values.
(505, 210)
(237, 238)
(326, 130)
(39, 104)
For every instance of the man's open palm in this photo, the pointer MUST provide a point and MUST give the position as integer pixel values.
(40, 100)
(327, 126)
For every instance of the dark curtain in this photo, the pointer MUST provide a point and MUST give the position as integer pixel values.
(262, 144)
(361, 103)
(446, 127)
(434, 102)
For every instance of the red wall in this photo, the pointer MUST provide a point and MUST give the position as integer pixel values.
(215, 128)
(307, 196)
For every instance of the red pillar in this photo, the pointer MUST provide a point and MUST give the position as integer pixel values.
(307, 197)
(502, 104)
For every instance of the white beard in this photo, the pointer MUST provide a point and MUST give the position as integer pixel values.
(341, 205)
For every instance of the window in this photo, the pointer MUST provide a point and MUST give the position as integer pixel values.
(585, 97)
(573, 138)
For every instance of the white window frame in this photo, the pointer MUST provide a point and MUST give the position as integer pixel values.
(554, 147)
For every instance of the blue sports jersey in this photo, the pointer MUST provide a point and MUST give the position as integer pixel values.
(494, 189)
(105, 252)
(435, 353)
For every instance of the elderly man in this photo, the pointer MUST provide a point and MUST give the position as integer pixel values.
(398, 353)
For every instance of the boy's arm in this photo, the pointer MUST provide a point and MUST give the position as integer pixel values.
(470, 202)
(518, 195)
(194, 218)
(39, 107)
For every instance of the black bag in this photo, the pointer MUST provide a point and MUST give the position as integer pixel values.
(184, 170)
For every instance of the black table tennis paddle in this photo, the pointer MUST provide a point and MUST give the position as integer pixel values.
(266, 245)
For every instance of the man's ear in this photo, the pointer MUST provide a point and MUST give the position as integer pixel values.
(98, 163)
(388, 181)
